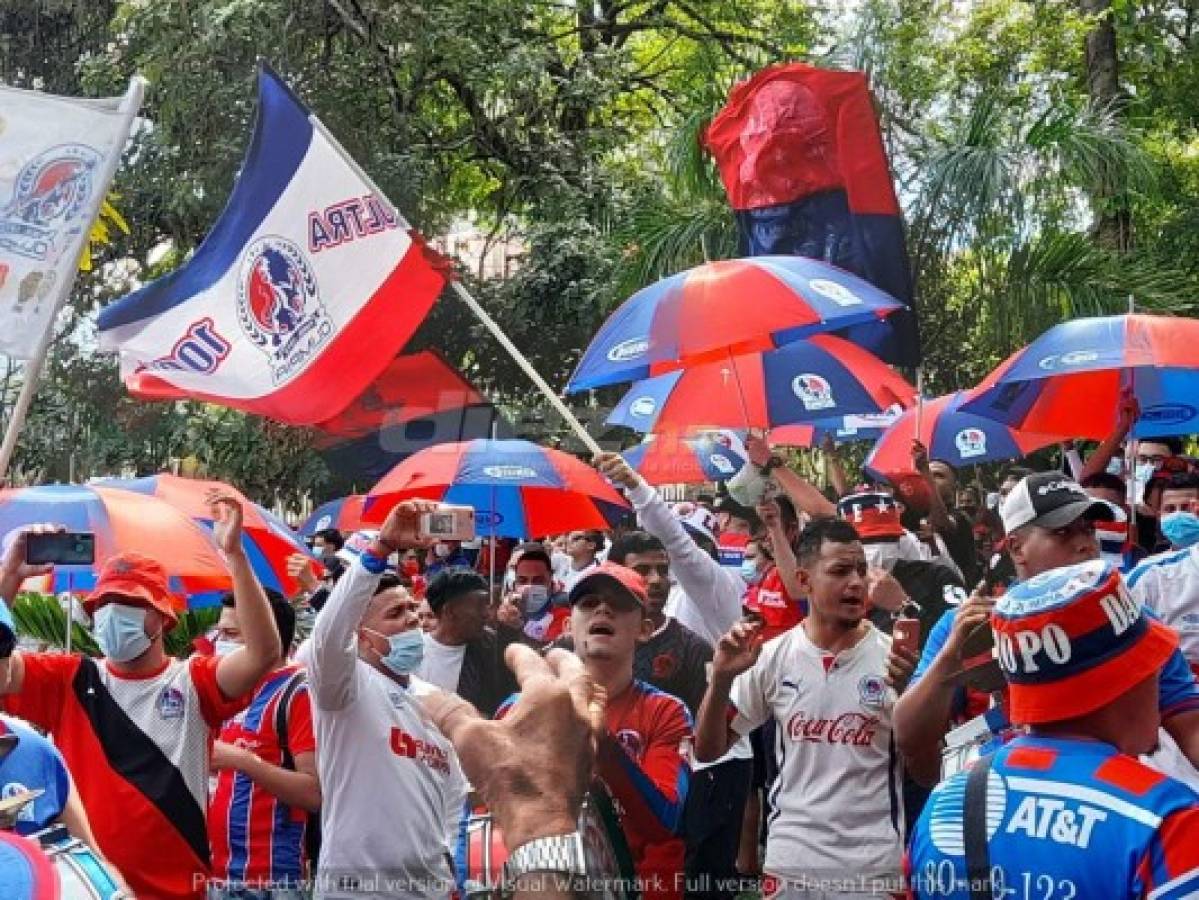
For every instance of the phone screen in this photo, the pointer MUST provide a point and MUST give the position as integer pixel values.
(69, 548)
(440, 524)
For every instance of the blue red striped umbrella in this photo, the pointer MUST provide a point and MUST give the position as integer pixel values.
(723, 309)
(517, 488)
(122, 521)
(344, 514)
(267, 540)
(807, 381)
(1070, 379)
(950, 434)
(843, 429)
(670, 459)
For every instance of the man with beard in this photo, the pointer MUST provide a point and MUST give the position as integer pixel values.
(831, 684)
(642, 754)
(1050, 522)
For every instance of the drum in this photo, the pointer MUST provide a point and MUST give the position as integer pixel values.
(81, 874)
(609, 866)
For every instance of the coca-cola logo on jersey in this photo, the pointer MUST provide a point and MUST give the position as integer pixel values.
(851, 729)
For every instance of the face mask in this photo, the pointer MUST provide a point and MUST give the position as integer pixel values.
(537, 597)
(405, 650)
(224, 647)
(1140, 478)
(441, 551)
(121, 632)
(411, 568)
(1181, 529)
(749, 571)
(882, 555)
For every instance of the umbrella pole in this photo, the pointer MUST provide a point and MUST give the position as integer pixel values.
(740, 393)
(491, 553)
(919, 403)
(70, 607)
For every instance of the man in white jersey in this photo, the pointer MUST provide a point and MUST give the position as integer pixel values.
(830, 683)
(394, 791)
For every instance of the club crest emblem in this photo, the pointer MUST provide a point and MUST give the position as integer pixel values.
(813, 391)
(279, 306)
(50, 192)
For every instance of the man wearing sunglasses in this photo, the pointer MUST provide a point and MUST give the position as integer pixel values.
(1050, 522)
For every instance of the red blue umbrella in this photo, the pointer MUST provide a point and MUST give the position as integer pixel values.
(670, 459)
(957, 437)
(344, 514)
(843, 430)
(1069, 380)
(820, 378)
(121, 521)
(517, 488)
(726, 308)
(267, 540)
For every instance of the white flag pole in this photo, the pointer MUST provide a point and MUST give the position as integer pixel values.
(471, 303)
(32, 373)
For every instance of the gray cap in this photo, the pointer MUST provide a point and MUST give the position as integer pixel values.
(1050, 500)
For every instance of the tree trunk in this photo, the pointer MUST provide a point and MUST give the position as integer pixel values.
(1113, 220)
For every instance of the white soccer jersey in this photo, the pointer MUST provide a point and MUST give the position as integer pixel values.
(1168, 584)
(838, 800)
(392, 786)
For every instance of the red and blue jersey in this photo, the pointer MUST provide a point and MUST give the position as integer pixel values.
(256, 838)
(643, 761)
(1064, 819)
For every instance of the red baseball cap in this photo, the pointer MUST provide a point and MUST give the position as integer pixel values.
(609, 573)
(133, 577)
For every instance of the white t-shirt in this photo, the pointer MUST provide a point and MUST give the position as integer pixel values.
(392, 785)
(838, 800)
(442, 664)
(572, 575)
(1168, 584)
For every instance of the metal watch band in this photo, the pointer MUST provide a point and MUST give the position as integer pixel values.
(561, 853)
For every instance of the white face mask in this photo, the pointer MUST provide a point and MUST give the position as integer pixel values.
(120, 631)
(441, 551)
(224, 646)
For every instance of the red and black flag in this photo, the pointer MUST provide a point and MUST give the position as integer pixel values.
(802, 159)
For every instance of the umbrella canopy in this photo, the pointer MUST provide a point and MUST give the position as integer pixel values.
(267, 540)
(670, 459)
(344, 514)
(819, 378)
(517, 488)
(725, 308)
(843, 430)
(959, 438)
(122, 521)
(1069, 380)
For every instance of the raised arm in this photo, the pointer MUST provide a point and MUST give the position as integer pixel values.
(334, 653)
(736, 653)
(238, 672)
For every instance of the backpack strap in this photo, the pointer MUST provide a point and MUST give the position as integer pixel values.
(974, 830)
(285, 697)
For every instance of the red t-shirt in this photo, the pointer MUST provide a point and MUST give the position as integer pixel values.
(770, 600)
(138, 750)
(256, 838)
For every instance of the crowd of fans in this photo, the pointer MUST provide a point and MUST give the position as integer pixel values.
(1033, 731)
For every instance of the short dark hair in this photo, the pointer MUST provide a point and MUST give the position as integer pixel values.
(451, 584)
(594, 538)
(388, 581)
(534, 550)
(633, 542)
(825, 528)
(1182, 481)
(1173, 443)
(284, 612)
(331, 536)
(1105, 480)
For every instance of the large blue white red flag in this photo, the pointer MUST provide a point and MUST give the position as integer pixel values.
(301, 295)
(57, 157)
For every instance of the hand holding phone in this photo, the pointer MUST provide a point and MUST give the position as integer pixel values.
(447, 523)
(905, 633)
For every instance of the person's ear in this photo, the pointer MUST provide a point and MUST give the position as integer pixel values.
(805, 579)
(647, 629)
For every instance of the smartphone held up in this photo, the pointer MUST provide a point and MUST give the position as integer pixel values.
(60, 548)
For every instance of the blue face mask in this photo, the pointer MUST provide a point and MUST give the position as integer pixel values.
(1181, 529)
(749, 571)
(405, 650)
(537, 598)
(121, 631)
